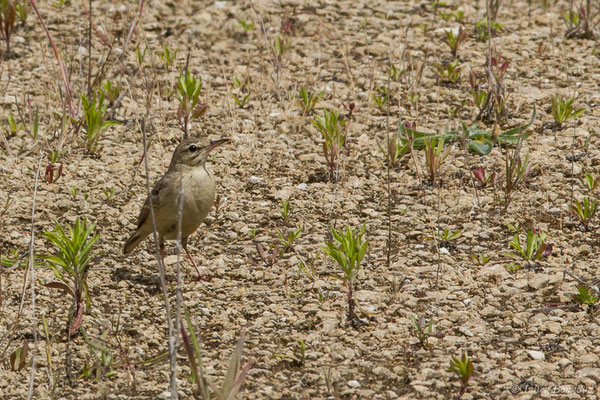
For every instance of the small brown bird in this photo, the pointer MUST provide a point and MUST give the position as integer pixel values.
(188, 170)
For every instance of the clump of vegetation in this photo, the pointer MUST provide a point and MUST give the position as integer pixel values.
(95, 122)
(8, 16)
(435, 154)
(243, 94)
(188, 93)
(308, 100)
(331, 127)
(381, 96)
(448, 72)
(585, 210)
(454, 40)
(463, 368)
(587, 296)
(347, 251)
(532, 250)
(424, 330)
(167, 56)
(481, 28)
(71, 265)
(562, 109)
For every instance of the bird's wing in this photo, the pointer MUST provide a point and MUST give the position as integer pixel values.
(158, 196)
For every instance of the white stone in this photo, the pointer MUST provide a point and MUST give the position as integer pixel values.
(536, 355)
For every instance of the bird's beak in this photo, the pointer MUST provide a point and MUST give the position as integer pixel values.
(216, 143)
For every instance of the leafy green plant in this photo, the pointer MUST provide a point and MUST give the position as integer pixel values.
(71, 264)
(533, 249)
(463, 368)
(102, 361)
(280, 47)
(246, 26)
(513, 267)
(585, 210)
(112, 91)
(515, 172)
(481, 28)
(446, 236)
(448, 72)
(95, 122)
(308, 100)
(562, 109)
(590, 182)
(188, 93)
(381, 96)
(434, 156)
(586, 296)
(396, 74)
(454, 40)
(288, 240)
(242, 100)
(109, 194)
(285, 209)
(483, 178)
(480, 259)
(348, 251)
(8, 16)
(300, 358)
(331, 127)
(234, 378)
(140, 55)
(167, 56)
(423, 330)
(13, 126)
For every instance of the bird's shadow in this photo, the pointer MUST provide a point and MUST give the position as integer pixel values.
(150, 283)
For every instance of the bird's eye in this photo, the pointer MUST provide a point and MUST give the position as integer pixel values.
(193, 148)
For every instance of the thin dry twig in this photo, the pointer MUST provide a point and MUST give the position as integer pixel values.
(32, 272)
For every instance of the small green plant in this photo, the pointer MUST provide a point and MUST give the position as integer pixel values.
(515, 172)
(140, 55)
(381, 96)
(585, 210)
(588, 297)
(446, 236)
(448, 72)
(481, 28)
(109, 194)
(590, 182)
(562, 109)
(188, 93)
(234, 378)
(74, 191)
(280, 47)
(13, 126)
(246, 26)
(533, 249)
(463, 368)
(480, 259)
(308, 100)
(94, 111)
(434, 156)
(515, 228)
(331, 127)
(484, 179)
(423, 330)
(285, 209)
(102, 361)
(71, 264)
(348, 251)
(300, 358)
(513, 267)
(454, 40)
(396, 74)
(112, 91)
(242, 100)
(167, 56)
(287, 241)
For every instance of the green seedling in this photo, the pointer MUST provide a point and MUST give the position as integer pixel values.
(102, 361)
(308, 100)
(285, 209)
(533, 249)
(94, 111)
(288, 241)
(483, 178)
(585, 210)
(109, 194)
(481, 28)
(242, 100)
(590, 182)
(413, 98)
(280, 47)
(167, 56)
(8, 16)
(446, 236)
(513, 268)
(515, 172)
(588, 297)
(454, 40)
(71, 264)
(435, 154)
(463, 368)
(13, 126)
(347, 251)
(188, 93)
(448, 72)
(74, 191)
(22, 11)
(140, 56)
(206, 389)
(331, 127)
(18, 358)
(562, 109)
(269, 257)
(424, 330)
(112, 91)
(480, 259)
(381, 96)
(396, 74)
(298, 360)
(246, 26)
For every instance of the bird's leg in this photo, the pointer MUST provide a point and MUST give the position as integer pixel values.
(163, 253)
(184, 245)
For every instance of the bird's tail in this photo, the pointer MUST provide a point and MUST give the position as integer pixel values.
(133, 241)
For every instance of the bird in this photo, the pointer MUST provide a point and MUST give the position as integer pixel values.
(187, 170)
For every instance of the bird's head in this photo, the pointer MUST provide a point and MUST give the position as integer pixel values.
(193, 152)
